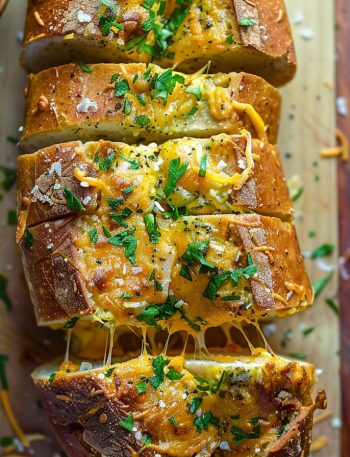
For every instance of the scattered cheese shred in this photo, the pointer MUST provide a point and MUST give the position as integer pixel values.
(5, 402)
(70, 36)
(338, 151)
(319, 443)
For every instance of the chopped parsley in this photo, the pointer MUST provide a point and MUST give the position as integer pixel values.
(235, 275)
(109, 372)
(72, 201)
(128, 190)
(134, 164)
(152, 228)
(202, 422)
(159, 363)
(298, 355)
(157, 285)
(127, 106)
(114, 203)
(121, 88)
(11, 217)
(192, 111)
(196, 251)
(320, 284)
(10, 175)
(333, 305)
(281, 429)
(196, 402)
(127, 423)
(185, 272)
(203, 167)
(308, 331)
(142, 120)
(176, 171)
(174, 375)
(163, 84)
(194, 91)
(119, 218)
(106, 162)
(164, 311)
(85, 68)
(230, 40)
(147, 440)
(110, 4)
(240, 435)
(93, 235)
(247, 22)
(172, 420)
(3, 378)
(297, 194)
(141, 387)
(29, 238)
(210, 385)
(322, 251)
(3, 293)
(128, 242)
(71, 322)
(52, 377)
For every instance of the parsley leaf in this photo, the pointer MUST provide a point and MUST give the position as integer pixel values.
(172, 420)
(164, 83)
(159, 363)
(3, 293)
(29, 238)
(106, 162)
(240, 435)
(128, 242)
(93, 235)
(185, 272)
(141, 387)
(10, 175)
(174, 375)
(157, 285)
(176, 171)
(121, 88)
(333, 305)
(247, 22)
(127, 106)
(320, 284)
(196, 402)
(235, 275)
(71, 322)
(196, 251)
(127, 423)
(151, 227)
(110, 4)
(322, 251)
(85, 68)
(203, 167)
(202, 422)
(109, 372)
(52, 377)
(211, 385)
(194, 91)
(134, 164)
(142, 120)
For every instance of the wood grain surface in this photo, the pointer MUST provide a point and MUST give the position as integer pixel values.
(343, 90)
(308, 125)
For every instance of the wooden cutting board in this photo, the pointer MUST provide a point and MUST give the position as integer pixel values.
(308, 125)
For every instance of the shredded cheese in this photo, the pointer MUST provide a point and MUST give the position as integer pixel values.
(338, 151)
(93, 182)
(5, 402)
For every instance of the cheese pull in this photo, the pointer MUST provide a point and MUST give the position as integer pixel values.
(181, 407)
(138, 102)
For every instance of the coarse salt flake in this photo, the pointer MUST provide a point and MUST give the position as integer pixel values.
(87, 105)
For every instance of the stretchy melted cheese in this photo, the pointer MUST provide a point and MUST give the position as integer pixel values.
(181, 408)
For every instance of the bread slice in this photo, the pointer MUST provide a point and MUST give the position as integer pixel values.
(234, 35)
(190, 273)
(182, 407)
(67, 104)
(238, 175)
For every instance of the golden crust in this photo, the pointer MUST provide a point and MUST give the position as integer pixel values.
(111, 284)
(83, 106)
(264, 393)
(43, 176)
(215, 32)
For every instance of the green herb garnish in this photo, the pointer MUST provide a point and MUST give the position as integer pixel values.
(141, 387)
(127, 423)
(159, 363)
(157, 285)
(247, 22)
(72, 201)
(320, 284)
(128, 242)
(176, 171)
(71, 322)
(152, 228)
(3, 293)
(203, 167)
(322, 251)
(174, 375)
(93, 235)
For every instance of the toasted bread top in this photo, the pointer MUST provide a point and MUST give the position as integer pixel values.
(232, 34)
(176, 407)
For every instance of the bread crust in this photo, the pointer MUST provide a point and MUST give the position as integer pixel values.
(45, 174)
(264, 47)
(86, 408)
(281, 285)
(83, 106)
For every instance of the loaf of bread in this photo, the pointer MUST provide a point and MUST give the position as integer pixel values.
(233, 35)
(161, 406)
(137, 102)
